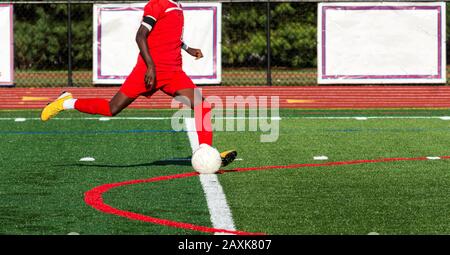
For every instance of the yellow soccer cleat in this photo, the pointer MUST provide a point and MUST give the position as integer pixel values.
(228, 157)
(53, 108)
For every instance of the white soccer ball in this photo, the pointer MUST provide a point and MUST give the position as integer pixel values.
(206, 159)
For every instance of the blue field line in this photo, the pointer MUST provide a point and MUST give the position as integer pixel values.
(387, 130)
(84, 132)
(137, 131)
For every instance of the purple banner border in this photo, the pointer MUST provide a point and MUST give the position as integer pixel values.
(11, 33)
(196, 8)
(376, 8)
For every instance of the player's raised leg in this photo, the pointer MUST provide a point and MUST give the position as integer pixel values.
(91, 106)
(192, 97)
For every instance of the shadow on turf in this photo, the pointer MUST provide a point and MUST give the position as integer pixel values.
(165, 162)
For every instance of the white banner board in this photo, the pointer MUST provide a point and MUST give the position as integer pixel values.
(115, 49)
(381, 43)
(6, 45)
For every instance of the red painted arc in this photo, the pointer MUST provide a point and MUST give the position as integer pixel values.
(94, 197)
(352, 162)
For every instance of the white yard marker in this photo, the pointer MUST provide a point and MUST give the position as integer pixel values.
(433, 158)
(87, 159)
(217, 203)
(320, 158)
(188, 159)
(20, 119)
(373, 234)
(249, 118)
(73, 234)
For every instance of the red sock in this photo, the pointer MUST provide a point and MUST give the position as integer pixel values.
(93, 106)
(202, 114)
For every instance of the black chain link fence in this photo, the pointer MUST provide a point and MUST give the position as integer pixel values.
(41, 44)
(43, 37)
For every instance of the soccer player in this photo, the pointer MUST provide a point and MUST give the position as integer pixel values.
(159, 67)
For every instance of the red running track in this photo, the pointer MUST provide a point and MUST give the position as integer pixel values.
(310, 97)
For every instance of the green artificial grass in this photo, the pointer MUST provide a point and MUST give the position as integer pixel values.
(42, 181)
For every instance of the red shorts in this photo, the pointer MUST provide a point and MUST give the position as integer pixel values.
(169, 82)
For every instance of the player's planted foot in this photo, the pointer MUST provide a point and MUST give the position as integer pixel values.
(228, 157)
(53, 108)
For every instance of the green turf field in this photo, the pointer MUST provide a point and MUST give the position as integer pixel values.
(42, 181)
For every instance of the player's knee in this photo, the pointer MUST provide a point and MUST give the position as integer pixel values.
(204, 105)
(114, 109)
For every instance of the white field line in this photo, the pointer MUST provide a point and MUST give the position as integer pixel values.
(246, 118)
(217, 203)
(373, 117)
(145, 118)
(219, 210)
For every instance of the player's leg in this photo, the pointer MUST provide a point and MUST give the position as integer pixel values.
(187, 93)
(202, 114)
(130, 90)
(91, 105)
(101, 106)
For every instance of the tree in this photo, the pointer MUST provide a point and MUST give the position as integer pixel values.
(40, 36)
(293, 34)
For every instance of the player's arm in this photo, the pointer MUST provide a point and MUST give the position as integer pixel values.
(197, 53)
(141, 40)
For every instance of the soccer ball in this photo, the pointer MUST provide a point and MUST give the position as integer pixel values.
(206, 159)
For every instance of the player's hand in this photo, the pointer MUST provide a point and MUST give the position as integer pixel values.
(197, 53)
(150, 78)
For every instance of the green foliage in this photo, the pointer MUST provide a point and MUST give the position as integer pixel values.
(41, 36)
(244, 35)
(293, 34)
(82, 36)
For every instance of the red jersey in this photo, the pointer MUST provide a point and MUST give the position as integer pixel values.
(164, 40)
